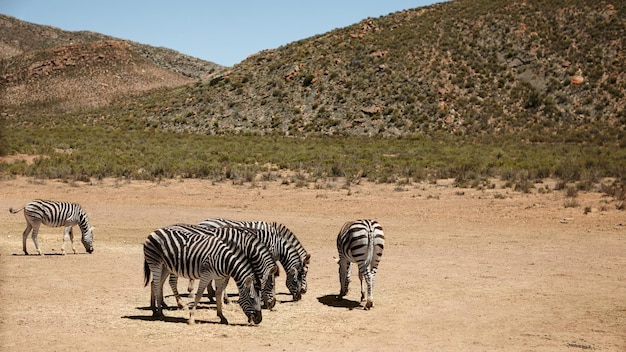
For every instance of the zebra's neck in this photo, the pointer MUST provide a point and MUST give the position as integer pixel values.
(238, 266)
(83, 222)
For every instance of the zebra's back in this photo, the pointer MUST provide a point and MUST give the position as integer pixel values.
(256, 251)
(280, 229)
(54, 213)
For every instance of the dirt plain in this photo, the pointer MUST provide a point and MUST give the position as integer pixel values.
(463, 269)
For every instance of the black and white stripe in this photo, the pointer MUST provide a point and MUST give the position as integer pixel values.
(280, 248)
(186, 254)
(56, 214)
(263, 264)
(360, 242)
(278, 229)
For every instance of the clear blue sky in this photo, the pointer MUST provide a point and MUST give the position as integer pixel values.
(224, 32)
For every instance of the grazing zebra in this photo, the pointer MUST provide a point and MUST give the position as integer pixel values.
(263, 264)
(185, 254)
(284, 252)
(277, 228)
(360, 242)
(56, 214)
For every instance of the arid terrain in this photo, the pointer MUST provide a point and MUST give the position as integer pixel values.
(463, 270)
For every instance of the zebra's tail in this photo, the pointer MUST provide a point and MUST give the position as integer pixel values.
(146, 273)
(370, 248)
(15, 211)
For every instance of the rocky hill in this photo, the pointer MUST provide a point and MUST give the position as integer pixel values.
(64, 71)
(542, 70)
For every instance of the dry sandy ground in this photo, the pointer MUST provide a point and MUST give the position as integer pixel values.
(463, 270)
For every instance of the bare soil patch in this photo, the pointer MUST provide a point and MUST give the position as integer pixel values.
(463, 270)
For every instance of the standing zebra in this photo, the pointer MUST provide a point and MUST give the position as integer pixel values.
(360, 242)
(186, 254)
(55, 214)
(284, 252)
(263, 264)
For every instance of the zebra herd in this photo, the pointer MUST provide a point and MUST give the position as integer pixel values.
(215, 250)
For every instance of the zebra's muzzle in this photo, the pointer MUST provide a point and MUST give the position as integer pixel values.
(269, 303)
(297, 296)
(255, 318)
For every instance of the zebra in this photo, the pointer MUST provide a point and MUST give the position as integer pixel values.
(278, 229)
(55, 214)
(286, 255)
(183, 253)
(263, 264)
(360, 242)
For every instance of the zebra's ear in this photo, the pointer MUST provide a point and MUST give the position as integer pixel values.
(336, 260)
(92, 228)
(307, 259)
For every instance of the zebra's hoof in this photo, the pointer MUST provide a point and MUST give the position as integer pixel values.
(191, 322)
(157, 316)
(369, 305)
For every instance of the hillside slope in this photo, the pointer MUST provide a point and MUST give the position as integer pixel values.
(64, 71)
(539, 70)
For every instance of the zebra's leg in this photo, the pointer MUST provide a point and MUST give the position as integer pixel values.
(67, 233)
(363, 284)
(369, 285)
(25, 236)
(190, 289)
(345, 268)
(72, 241)
(156, 294)
(210, 291)
(36, 226)
(204, 282)
(220, 286)
(173, 281)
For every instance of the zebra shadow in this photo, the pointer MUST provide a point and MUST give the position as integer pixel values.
(333, 301)
(53, 254)
(288, 298)
(175, 320)
(151, 318)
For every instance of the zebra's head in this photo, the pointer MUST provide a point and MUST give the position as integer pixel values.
(88, 240)
(304, 271)
(268, 289)
(294, 282)
(250, 300)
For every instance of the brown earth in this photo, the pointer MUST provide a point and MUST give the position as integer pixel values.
(463, 270)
